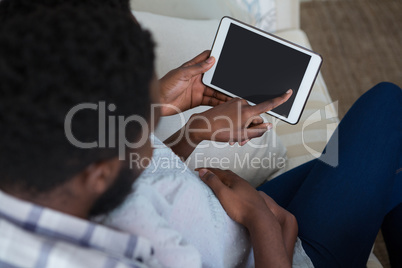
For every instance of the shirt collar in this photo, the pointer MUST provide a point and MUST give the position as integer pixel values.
(61, 226)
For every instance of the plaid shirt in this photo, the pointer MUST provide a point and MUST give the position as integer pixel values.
(34, 236)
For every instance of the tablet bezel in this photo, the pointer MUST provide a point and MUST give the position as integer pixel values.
(306, 85)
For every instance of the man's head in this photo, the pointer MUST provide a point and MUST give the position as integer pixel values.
(52, 59)
(9, 8)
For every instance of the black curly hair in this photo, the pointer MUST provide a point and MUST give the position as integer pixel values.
(9, 8)
(53, 58)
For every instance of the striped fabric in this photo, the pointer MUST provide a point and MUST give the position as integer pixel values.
(34, 236)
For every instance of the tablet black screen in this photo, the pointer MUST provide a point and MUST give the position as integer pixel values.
(257, 68)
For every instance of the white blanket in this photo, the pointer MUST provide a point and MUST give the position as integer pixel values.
(182, 217)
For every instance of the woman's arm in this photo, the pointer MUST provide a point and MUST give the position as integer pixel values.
(287, 222)
(247, 207)
(232, 121)
(268, 242)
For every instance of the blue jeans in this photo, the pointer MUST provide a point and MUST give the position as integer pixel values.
(340, 210)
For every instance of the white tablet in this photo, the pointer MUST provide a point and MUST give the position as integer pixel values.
(258, 66)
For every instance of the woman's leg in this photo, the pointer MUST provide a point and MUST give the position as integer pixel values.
(341, 209)
(283, 188)
(392, 232)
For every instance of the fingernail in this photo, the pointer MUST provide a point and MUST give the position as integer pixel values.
(269, 127)
(210, 60)
(202, 172)
(243, 142)
(289, 91)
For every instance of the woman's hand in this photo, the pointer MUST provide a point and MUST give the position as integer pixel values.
(287, 221)
(246, 206)
(239, 199)
(233, 121)
(182, 89)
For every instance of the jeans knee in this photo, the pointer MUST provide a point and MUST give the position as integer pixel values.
(385, 90)
(384, 94)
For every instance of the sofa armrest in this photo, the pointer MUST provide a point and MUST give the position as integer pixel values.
(185, 9)
(287, 14)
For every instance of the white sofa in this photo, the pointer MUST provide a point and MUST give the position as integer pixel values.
(184, 28)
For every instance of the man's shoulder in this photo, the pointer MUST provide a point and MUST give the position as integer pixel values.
(22, 248)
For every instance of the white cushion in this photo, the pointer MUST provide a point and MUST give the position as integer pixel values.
(287, 14)
(177, 40)
(261, 13)
(186, 9)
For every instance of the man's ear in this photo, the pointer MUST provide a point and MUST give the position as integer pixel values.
(98, 177)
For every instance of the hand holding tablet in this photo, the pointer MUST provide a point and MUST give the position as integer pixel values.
(258, 66)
